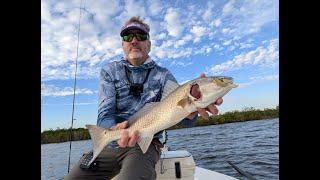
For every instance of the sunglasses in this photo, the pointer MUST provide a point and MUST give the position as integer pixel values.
(139, 37)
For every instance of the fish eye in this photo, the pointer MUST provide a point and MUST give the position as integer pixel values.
(226, 79)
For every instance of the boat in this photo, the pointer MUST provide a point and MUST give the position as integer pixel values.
(181, 165)
(176, 165)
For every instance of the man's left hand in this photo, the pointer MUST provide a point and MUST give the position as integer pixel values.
(211, 107)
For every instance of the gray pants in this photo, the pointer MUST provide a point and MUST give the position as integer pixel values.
(128, 163)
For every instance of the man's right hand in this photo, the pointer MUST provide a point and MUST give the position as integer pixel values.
(125, 140)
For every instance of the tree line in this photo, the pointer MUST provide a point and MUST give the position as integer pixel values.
(63, 135)
(247, 114)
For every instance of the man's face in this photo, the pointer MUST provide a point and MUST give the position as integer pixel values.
(136, 52)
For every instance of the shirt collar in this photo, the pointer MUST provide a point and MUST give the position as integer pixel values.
(149, 63)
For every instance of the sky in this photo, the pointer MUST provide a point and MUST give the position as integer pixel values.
(189, 37)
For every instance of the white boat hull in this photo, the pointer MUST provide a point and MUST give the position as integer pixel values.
(203, 174)
(180, 165)
(183, 162)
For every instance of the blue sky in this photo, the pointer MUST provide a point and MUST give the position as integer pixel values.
(218, 37)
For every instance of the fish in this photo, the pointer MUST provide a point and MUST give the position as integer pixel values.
(177, 103)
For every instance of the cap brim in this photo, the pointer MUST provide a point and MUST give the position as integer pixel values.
(132, 28)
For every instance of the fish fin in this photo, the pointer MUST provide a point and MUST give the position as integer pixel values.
(145, 141)
(99, 140)
(169, 87)
(141, 112)
(184, 102)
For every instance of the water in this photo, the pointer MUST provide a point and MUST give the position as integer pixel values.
(253, 146)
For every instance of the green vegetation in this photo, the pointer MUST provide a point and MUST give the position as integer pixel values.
(63, 135)
(247, 114)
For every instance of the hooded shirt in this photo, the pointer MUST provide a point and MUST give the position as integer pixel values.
(115, 102)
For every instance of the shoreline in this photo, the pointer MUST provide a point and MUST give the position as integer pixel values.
(248, 114)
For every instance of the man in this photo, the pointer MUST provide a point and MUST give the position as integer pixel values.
(125, 87)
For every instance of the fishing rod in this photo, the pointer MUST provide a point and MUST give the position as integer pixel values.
(247, 175)
(74, 88)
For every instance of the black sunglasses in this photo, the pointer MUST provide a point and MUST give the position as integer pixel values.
(140, 37)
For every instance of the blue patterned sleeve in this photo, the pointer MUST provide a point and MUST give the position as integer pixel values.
(186, 122)
(107, 101)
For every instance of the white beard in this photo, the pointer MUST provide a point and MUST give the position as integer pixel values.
(135, 55)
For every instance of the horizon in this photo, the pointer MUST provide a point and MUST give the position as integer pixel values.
(58, 128)
(228, 37)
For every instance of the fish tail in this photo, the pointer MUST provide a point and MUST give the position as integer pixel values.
(100, 138)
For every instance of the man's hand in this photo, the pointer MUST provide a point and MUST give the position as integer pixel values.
(203, 111)
(125, 140)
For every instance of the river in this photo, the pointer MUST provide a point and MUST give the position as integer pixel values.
(252, 145)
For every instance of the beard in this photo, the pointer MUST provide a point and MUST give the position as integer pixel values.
(135, 55)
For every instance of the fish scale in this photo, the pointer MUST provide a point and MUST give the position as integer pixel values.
(176, 104)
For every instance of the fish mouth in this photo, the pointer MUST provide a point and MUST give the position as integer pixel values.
(195, 91)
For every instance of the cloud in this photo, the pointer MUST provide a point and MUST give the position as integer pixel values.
(242, 85)
(173, 22)
(268, 77)
(155, 7)
(217, 47)
(160, 36)
(226, 43)
(207, 15)
(181, 64)
(229, 7)
(246, 17)
(131, 8)
(245, 45)
(203, 50)
(170, 26)
(59, 28)
(52, 90)
(45, 11)
(225, 30)
(67, 71)
(198, 31)
(231, 48)
(102, 15)
(257, 79)
(217, 22)
(259, 56)
(182, 33)
(184, 40)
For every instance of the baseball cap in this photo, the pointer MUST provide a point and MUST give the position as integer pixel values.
(133, 25)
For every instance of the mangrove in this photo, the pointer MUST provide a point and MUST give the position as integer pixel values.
(247, 114)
